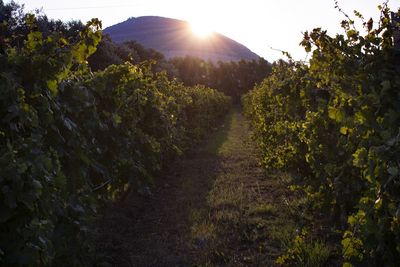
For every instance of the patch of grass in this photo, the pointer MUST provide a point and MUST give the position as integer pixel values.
(283, 233)
(299, 243)
(225, 195)
(219, 208)
(197, 215)
(203, 232)
(263, 209)
(307, 253)
(257, 218)
(239, 206)
(220, 136)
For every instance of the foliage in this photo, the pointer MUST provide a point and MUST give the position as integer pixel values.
(71, 140)
(148, 120)
(334, 123)
(37, 210)
(109, 53)
(304, 252)
(231, 78)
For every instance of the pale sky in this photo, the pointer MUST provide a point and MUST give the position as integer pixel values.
(257, 24)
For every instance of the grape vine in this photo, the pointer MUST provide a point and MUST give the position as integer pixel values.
(335, 124)
(72, 140)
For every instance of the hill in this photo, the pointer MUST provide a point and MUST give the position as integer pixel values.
(174, 38)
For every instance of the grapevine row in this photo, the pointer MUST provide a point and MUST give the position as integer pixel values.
(334, 123)
(72, 140)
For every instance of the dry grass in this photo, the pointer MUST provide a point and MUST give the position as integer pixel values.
(215, 207)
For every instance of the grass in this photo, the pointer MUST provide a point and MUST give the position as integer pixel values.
(216, 207)
(238, 202)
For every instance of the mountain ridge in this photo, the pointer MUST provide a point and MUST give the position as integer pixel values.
(174, 38)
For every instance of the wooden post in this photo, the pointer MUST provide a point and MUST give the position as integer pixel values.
(396, 30)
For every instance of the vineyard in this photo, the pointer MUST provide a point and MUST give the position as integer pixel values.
(72, 140)
(334, 125)
(317, 185)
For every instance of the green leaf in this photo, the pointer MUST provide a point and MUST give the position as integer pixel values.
(336, 114)
(344, 130)
(52, 85)
(34, 40)
(117, 119)
(360, 157)
(352, 34)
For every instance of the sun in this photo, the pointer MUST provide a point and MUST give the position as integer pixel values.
(201, 29)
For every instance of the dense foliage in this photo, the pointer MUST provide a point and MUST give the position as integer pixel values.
(231, 78)
(70, 139)
(109, 53)
(335, 124)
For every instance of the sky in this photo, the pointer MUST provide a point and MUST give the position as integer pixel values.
(265, 26)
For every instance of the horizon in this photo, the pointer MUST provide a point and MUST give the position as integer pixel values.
(222, 17)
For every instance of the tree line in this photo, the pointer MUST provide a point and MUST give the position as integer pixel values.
(232, 78)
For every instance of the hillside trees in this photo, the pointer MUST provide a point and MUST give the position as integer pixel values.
(109, 53)
(334, 123)
(232, 78)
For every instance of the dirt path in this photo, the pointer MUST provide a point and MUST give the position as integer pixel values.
(215, 208)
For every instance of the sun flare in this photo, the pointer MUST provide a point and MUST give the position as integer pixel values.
(201, 29)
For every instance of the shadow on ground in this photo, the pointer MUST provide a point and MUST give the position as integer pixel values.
(215, 207)
(156, 229)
